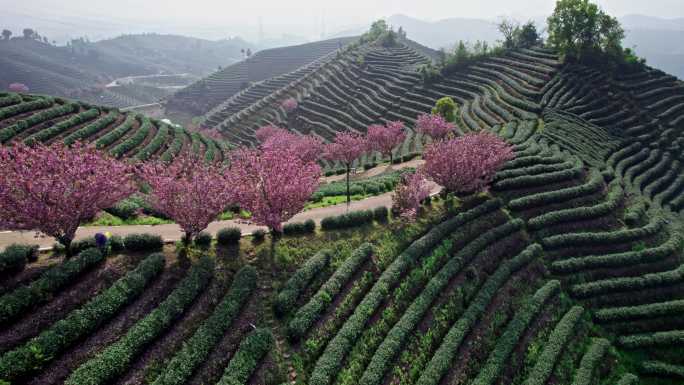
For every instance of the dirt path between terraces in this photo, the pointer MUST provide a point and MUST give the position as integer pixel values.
(171, 232)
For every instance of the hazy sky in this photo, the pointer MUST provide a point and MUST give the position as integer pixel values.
(303, 17)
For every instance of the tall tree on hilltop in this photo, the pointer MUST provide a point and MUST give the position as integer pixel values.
(54, 188)
(6, 33)
(578, 28)
(346, 148)
(190, 192)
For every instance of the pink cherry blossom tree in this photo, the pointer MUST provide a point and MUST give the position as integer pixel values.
(54, 188)
(307, 147)
(266, 132)
(346, 148)
(18, 87)
(272, 184)
(409, 194)
(385, 138)
(189, 191)
(434, 126)
(468, 163)
(289, 104)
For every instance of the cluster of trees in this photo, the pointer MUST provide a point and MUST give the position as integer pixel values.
(519, 36)
(27, 33)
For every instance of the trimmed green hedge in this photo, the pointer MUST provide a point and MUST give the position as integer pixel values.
(330, 361)
(520, 162)
(115, 359)
(176, 145)
(444, 356)
(561, 334)
(514, 331)
(16, 109)
(143, 242)
(92, 128)
(15, 303)
(629, 258)
(299, 228)
(15, 257)
(594, 185)
(53, 341)
(615, 195)
(197, 348)
(635, 212)
(590, 360)
(532, 170)
(667, 338)
(345, 221)
(286, 300)
(245, 361)
(229, 236)
(401, 331)
(611, 285)
(603, 238)
(309, 313)
(56, 129)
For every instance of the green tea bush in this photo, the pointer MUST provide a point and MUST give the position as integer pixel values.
(40, 350)
(286, 300)
(251, 351)
(23, 298)
(143, 242)
(116, 358)
(15, 257)
(229, 236)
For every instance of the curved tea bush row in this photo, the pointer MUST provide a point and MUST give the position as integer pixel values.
(54, 130)
(79, 323)
(9, 132)
(197, 348)
(133, 141)
(664, 278)
(615, 194)
(444, 356)
(176, 145)
(574, 265)
(532, 160)
(114, 135)
(603, 238)
(628, 379)
(286, 301)
(595, 184)
(662, 369)
(155, 144)
(532, 170)
(667, 338)
(245, 361)
(649, 310)
(15, 303)
(92, 128)
(514, 330)
(7, 112)
(114, 359)
(9, 100)
(553, 348)
(590, 360)
(330, 361)
(526, 181)
(399, 333)
(635, 212)
(15, 257)
(309, 313)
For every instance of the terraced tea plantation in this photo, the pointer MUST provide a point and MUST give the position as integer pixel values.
(44, 119)
(568, 270)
